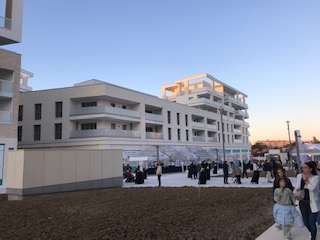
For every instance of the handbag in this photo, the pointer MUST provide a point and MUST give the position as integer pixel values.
(299, 194)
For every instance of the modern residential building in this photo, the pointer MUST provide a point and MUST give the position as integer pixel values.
(10, 64)
(98, 115)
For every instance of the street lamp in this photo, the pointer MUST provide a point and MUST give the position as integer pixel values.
(289, 156)
(222, 132)
(298, 140)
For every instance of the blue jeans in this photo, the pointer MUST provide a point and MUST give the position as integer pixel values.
(309, 218)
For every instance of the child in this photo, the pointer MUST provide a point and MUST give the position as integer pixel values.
(284, 211)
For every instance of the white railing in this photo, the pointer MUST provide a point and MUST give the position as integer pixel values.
(154, 135)
(104, 109)
(5, 22)
(198, 139)
(5, 117)
(104, 133)
(153, 117)
(6, 88)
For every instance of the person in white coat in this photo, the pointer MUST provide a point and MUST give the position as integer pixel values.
(309, 204)
(159, 173)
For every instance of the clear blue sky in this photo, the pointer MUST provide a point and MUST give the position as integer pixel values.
(268, 49)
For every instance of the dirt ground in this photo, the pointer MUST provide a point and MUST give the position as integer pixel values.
(140, 213)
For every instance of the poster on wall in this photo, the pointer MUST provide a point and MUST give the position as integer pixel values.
(245, 155)
(1, 163)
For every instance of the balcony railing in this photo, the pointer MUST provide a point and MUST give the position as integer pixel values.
(154, 135)
(5, 23)
(5, 117)
(212, 127)
(6, 88)
(204, 101)
(238, 141)
(212, 139)
(207, 90)
(239, 131)
(104, 133)
(104, 110)
(198, 139)
(197, 124)
(235, 101)
(153, 117)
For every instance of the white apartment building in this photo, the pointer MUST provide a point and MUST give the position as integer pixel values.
(10, 64)
(98, 115)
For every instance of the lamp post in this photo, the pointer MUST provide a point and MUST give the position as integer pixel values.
(222, 132)
(289, 156)
(298, 139)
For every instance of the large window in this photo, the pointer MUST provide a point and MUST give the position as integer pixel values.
(58, 109)
(179, 135)
(89, 104)
(19, 133)
(178, 118)
(169, 133)
(58, 131)
(20, 113)
(37, 111)
(36, 132)
(88, 126)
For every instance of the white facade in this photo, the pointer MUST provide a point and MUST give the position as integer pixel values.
(10, 65)
(99, 115)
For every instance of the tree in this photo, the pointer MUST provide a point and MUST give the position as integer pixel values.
(315, 140)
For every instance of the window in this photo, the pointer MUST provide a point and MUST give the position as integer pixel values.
(169, 117)
(169, 133)
(149, 129)
(124, 107)
(19, 133)
(186, 120)
(113, 126)
(178, 134)
(113, 105)
(89, 104)
(178, 118)
(88, 126)
(37, 111)
(58, 109)
(124, 127)
(36, 132)
(20, 113)
(58, 131)
(187, 135)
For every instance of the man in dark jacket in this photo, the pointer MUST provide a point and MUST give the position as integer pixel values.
(225, 168)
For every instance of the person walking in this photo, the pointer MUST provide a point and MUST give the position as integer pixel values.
(267, 167)
(237, 171)
(159, 173)
(284, 212)
(307, 192)
(225, 168)
(244, 170)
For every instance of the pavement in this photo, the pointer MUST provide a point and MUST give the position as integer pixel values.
(181, 180)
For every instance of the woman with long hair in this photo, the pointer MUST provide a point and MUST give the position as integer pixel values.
(309, 202)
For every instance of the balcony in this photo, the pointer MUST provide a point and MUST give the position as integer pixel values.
(6, 89)
(237, 131)
(197, 125)
(204, 101)
(212, 127)
(153, 117)
(106, 111)
(198, 139)
(212, 139)
(5, 23)
(238, 141)
(207, 90)
(236, 102)
(154, 135)
(104, 133)
(241, 113)
(5, 117)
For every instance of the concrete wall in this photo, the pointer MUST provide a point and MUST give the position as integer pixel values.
(46, 171)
